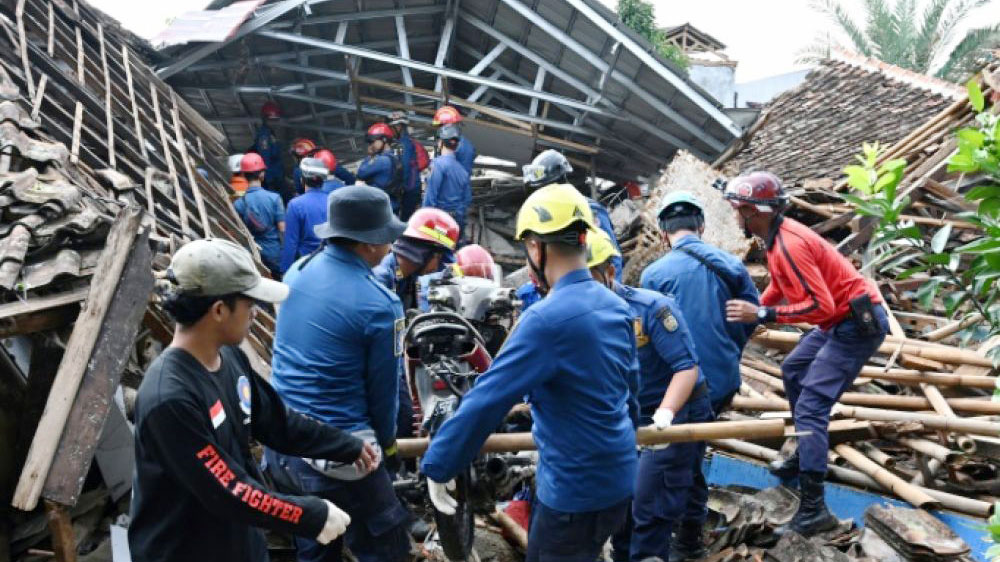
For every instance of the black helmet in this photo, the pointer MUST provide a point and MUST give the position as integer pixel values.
(449, 132)
(548, 167)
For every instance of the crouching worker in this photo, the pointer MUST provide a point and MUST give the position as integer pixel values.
(337, 350)
(672, 391)
(197, 493)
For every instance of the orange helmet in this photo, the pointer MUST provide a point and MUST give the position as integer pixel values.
(270, 110)
(445, 115)
(475, 261)
(252, 162)
(379, 131)
(433, 225)
(303, 147)
(327, 157)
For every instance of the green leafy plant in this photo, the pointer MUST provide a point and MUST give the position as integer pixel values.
(640, 16)
(899, 33)
(958, 278)
(992, 529)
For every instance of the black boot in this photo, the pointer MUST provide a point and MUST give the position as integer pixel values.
(687, 543)
(786, 469)
(812, 517)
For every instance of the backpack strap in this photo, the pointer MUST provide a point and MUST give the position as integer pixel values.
(728, 281)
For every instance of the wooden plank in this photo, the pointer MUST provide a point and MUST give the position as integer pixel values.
(50, 46)
(126, 62)
(172, 169)
(186, 162)
(74, 151)
(109, 117)
(103, 371)
(36, 104)
(49, 318)
(23, 48)
(81, 58)
(61, 527)
(148, 184)
(74, 362)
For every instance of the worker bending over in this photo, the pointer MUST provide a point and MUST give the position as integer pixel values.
(574, 356)
(820, 287)
(197, 492)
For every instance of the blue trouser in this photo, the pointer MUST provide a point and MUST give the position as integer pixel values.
(411, 201)
(816, 373)
(378, 529)
(665, 490)
(558, 536)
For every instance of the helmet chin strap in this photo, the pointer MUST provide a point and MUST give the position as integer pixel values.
(539, 270)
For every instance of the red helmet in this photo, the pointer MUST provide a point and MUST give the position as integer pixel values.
(379, 131)
(433, 225)
(252, 162)
(475, 261)
(327, 157)
(446, 114)
(270, 110)
(760, 189)
(303, 147)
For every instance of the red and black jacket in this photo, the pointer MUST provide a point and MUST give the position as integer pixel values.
(811, 276)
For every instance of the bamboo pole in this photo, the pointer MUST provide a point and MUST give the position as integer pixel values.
(930, 421)
(890, 481)
(949, 329)
(943, 407)
(512, 529)
(945, 354)
(762, 377)
(877, 455)
(914, 377)
(684, 433)
(961, 504)
(930, 448)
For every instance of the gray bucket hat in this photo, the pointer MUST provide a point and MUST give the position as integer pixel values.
(361, 213)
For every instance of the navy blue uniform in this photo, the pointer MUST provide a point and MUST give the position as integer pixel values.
(465, 153)
(701, 296)
(411, 176)
(577, 364)
(337, 351)
(266, 144)
(603, 220)
(261, 211)
(528, 295)
(304, 212)
(448, 189)
(663, 487)
(377, 170)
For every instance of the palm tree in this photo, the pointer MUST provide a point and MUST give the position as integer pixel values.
(896, 33)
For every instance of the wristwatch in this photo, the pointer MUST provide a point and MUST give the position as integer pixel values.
(765, 314)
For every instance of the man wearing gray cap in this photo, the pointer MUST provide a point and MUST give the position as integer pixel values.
(197, 492)
(337, 357)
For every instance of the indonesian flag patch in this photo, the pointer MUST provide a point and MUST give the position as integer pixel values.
(217, 414)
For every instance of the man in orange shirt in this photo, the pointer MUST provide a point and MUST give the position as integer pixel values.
(819, 286)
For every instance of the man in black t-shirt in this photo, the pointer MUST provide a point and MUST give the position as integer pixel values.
(197, 492)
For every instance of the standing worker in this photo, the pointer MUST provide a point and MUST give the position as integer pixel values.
(301, 148)
(197, 493)
(237, 182)
(672, 391)
(465, 152)
(381, 168)
(702, 278)
(427, 245)
(332, 181)
(411, 172)
(304, 213)
(262, 212)
(337, 358)
(577, 364)
(448, 186)
(820, 287)
(266, 144)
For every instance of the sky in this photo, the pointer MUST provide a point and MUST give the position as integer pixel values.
(763, 36)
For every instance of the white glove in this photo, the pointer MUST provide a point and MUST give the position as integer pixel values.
(663, 418)
(336, 524)
(442, 500)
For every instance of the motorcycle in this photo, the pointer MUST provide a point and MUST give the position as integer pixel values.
(446, 349)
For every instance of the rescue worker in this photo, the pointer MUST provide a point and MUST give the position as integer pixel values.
(465, 152)
(337, 357)
(574, 356)
(237, 182)
(262, 212)
(304, 213)
(426, 247)
(411, 173)
(266, 144)
(331, 182)
(381, 168)
(197, 492)
(821, 287)
(471, 260)
(552, 167)
(672, 391)
(301, 148)
(702, 278)
(448, 186)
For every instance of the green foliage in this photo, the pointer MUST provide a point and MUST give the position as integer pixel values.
(640, 16)
(898, 33)
(992, 529)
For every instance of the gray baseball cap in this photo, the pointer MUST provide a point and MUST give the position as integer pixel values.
(214, 267)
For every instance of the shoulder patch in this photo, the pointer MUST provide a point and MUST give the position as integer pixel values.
(667, 318)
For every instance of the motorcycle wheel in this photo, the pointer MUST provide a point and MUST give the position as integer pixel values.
(456, 531)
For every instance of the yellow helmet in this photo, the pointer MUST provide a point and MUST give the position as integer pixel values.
(553, 209)
(599, 248)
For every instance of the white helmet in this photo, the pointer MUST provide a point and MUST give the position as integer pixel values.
(234, 163)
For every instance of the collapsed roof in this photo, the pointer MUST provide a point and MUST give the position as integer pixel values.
(528, 74)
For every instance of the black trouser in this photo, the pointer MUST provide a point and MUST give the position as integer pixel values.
(558, 536)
